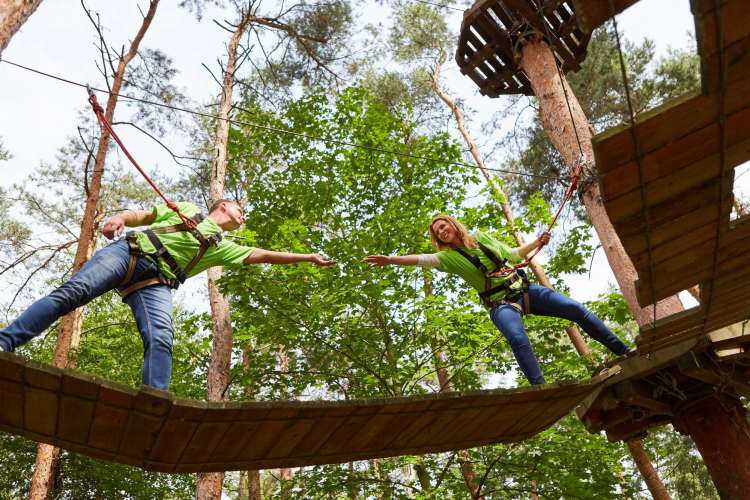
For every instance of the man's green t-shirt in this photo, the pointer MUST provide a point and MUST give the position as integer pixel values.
(183, 246)
(454, 263)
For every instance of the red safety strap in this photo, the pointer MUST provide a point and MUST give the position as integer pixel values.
(566, 198)
(99, 112)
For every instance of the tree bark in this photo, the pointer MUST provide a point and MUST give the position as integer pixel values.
(70, 326)
(467, 468)
(573, 334)
(718, 426)
(539, 64)
(13, 14)
(209, 484)
(649, 473)
(571, 136)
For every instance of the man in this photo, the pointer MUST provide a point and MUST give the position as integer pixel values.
(145, 267)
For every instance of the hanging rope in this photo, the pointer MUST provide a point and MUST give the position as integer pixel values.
(99, 112)
(638, 155)
(577, 172)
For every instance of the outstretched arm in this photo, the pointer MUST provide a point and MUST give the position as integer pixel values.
(543, 239)
(133, 218)
(262, 256)
(392, 260)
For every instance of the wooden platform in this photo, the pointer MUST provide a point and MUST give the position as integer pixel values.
(152, 430)
(491, 30)
(649, 391)
(682, 236)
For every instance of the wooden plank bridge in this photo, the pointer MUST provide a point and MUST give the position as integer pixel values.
(155, 431)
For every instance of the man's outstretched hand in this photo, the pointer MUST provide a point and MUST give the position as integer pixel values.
(319, 260)
(113, 228)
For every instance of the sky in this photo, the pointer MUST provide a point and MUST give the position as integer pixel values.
(37, 114)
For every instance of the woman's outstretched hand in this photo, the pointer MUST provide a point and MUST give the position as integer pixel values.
(378, 260)
(319, 260)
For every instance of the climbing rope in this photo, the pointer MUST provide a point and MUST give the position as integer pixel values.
(99, 112)
(577, 172)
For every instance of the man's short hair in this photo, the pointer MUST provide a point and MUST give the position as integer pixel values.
(216, 204)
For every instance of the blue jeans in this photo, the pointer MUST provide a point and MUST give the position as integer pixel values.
(547, 302)
(151, 306)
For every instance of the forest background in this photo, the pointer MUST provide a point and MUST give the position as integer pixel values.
(348, 332)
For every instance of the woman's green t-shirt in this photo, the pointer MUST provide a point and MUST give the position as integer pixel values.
(454, 263)
(183, 246)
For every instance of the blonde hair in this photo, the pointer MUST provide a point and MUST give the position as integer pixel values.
(467, 240)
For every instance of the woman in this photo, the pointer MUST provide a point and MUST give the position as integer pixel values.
(477, 259)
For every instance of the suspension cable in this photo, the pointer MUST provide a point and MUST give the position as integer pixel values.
(278, 130)
(637, 151)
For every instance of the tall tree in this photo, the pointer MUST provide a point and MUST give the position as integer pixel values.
(308, 29)
(13, 13)
(42, 485)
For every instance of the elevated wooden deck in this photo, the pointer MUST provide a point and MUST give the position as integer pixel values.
(492, 29)
(153, 430)
(680, 235)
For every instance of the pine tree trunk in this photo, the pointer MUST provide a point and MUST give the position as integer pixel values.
(573, 334)
(467, 468)
(210, 484)
(538, 62)
(13, 13)
(70, 326)
(285, 475)
(718, 425)
(554, 94)
(649, 473)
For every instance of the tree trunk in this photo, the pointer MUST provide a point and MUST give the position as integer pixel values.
(70, 326)
(718, 426)
(573, 334)
(649, 473)
(13, 13)
(467, 468)
(539, 64)
(554, 94)
(285, 475)
(209, 484)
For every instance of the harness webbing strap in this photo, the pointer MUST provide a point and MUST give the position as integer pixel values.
(474, 260)
(161, 251)
(489, 290)
(499, 263)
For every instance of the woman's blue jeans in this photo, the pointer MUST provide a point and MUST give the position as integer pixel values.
(547, 302)
(151, 306)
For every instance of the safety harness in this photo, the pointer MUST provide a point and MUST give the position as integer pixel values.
(161, 252)
(511, 296)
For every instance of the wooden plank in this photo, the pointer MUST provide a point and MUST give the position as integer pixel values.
(236, 440)
(666, 123)
(205, 439)
(75, 418)
(318, 435)
(292, 436)
(139, 435)
(735, 19)
(11, 404)
(666, 189)
(664, 232)
(12, 367)
(107, 427)
(593, 13)
(40, 410)
(172, 440)
(265, 438)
